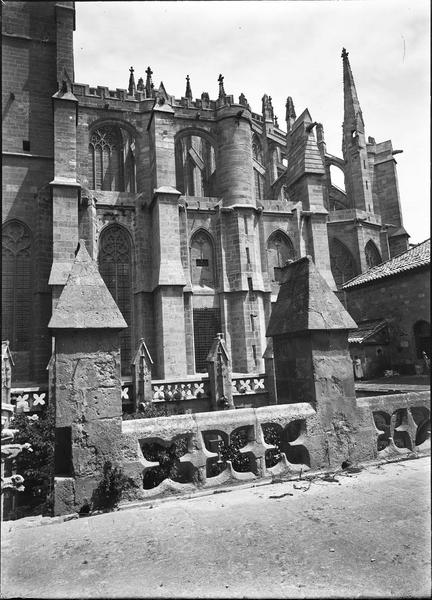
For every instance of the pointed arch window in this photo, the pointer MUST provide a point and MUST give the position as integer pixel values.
(202, 260)
(115, 266)
(343, 265)
(195, 166)
(112, 159)
(280, 250)
(17, 285)
(373, 257)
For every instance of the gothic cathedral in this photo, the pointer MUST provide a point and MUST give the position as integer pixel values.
(190, 206)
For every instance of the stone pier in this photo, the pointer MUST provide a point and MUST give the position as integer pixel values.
(309, 327)
(87, 387)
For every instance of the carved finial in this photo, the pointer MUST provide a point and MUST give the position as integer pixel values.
(140, 85)
(276, 122)
(188, 93)
(149, 83)
(221, 87)
(131, 87)
(344, 54)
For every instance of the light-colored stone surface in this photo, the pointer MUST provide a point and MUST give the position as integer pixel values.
(365, 535)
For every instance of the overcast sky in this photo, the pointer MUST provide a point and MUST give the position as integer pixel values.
(282, 48)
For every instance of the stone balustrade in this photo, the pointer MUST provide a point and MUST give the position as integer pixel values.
(29, 399)
(178, 454)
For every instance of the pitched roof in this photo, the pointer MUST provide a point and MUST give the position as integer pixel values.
(85, 302)
(365, 331)
(305, 302)
(416, 257)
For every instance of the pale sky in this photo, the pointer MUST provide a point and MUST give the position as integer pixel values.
(282, 48)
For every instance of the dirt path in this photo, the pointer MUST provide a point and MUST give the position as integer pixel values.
(367, 534)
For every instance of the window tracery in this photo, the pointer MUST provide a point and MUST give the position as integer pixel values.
(112, 159)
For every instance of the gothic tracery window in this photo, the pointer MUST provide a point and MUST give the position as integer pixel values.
(195, 166)
(202, 260)
(372, 254)
(115, 266)
(112, 160)
(16, 285)
(280, 249)
(342, 262)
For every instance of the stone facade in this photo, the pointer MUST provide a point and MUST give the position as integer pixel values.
(190, 206)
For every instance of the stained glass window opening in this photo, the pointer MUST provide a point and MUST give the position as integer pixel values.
(17, 285)
(115, 266)
(206, 325)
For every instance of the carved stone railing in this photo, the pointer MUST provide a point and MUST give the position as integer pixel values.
(249, 384)
(179, 453)
(401, 422)
(29, 399)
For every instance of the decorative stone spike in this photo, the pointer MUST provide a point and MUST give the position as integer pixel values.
(220, 375)
(222, 94)
(131, 87)
(188, 93)
(149, 83)
(140, 86)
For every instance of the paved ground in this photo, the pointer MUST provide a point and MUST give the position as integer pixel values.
(366, 535)
(402, 383)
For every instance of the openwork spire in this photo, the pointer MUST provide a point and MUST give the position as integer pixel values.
(221, 87)
(188, 93)
(131, 87)
(149, 82)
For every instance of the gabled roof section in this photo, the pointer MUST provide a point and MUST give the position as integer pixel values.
(305, 302)
(414, 258)
(304, 155)
(85, 302)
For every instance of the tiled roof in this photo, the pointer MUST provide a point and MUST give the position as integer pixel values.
(365, 331)
(419, 256)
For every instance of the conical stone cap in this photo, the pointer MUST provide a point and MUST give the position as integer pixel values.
(85, 302)
(306, 303)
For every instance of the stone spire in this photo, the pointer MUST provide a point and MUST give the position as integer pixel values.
(149, 83)
(188, 93)
(221, 88)
(352, 111)
(140, 86)
(357, 178)
(131, 87)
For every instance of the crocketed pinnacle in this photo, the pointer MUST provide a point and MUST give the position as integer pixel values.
(131, 87)
(149, 83)
(290, 111)
(221, 87)
(188, 93)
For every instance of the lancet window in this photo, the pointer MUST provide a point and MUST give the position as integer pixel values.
(195, 166)
(343, 265)
(373, 257)
(112, 159)
(202, 260)
(115, 266)
(17, 296)
(280, 250)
